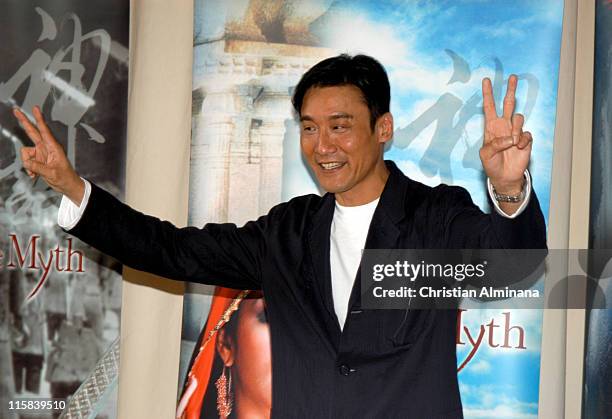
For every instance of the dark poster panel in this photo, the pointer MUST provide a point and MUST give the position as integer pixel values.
(60, 301)
(598, 360)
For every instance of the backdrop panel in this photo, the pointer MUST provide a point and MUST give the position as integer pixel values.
(60, 300)
(245, 157)
(597, 402)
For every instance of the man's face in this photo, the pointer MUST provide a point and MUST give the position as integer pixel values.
(337, 140)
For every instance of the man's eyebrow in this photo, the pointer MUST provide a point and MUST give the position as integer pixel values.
(341, 115)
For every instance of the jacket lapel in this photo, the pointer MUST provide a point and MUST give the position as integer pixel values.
(384, 229)
(318, 247)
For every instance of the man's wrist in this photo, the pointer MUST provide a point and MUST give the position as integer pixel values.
(513, 198)
(511, 188)
(511, 209)
(76, 192)
(69, 214)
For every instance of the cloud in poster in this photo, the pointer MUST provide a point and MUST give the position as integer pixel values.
(481, 367)
(491, 402)
(500, 411)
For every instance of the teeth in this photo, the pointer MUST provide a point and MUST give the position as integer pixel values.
(330, 166)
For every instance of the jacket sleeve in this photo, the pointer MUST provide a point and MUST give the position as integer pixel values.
(217, 254)
(467, 227)
(518, 265)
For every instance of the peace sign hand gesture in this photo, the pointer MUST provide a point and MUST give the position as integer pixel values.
(506, 149)
(47, 158)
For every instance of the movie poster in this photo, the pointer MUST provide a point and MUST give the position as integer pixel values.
(245, 157)
(60, 300)
(597, 402)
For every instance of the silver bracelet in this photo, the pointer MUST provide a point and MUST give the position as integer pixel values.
(510, 198)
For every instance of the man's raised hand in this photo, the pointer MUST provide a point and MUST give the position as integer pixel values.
(506, 148)
(47, 158)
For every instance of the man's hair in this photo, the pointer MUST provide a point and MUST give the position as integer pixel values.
(361, 71)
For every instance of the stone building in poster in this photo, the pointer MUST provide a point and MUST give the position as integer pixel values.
(242, 86)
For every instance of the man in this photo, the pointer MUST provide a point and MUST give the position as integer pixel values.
(330, 358)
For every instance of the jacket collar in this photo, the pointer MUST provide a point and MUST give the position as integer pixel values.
(392, 200)
(393, 197)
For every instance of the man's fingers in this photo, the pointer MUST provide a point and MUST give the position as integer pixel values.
(29, 128)
(525, 140)
(510, 99)
(495, 146)
(37, 168)
(45, 132)
(517, 127)
(488, 102)
(28, 153)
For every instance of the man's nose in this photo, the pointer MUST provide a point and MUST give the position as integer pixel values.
(326, 144)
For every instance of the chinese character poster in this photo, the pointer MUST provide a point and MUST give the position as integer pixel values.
(60, 301)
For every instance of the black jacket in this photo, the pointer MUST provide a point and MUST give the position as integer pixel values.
(385, 363)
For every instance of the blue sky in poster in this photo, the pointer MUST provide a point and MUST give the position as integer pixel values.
(436, 54)
(412, 38)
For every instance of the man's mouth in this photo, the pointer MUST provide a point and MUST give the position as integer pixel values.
(331, 165)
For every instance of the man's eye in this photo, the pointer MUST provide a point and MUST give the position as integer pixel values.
(309, 129)
(340, 128)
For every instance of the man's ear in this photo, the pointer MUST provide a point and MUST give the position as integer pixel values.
(384, 128)
(225, 348)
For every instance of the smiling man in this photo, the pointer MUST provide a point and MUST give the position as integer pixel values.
(330, 357)
(342, 144)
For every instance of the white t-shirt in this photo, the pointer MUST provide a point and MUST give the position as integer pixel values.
(349, 230)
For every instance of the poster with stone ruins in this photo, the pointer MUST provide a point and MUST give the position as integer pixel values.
(245, 157)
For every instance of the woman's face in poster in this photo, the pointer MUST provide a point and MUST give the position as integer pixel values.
(245, 348)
